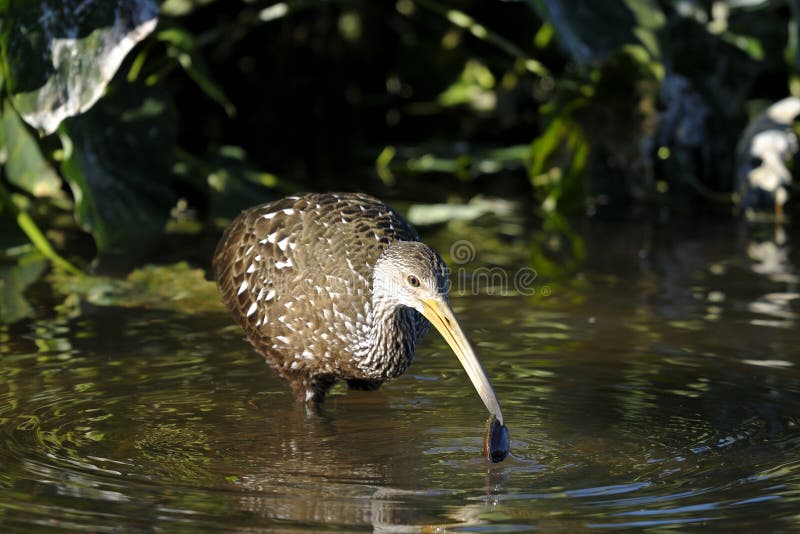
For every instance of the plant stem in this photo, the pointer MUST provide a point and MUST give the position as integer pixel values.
(34, 234)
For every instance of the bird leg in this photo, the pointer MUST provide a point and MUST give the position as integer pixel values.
(311, 389)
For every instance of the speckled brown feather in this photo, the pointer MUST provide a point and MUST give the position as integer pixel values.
(297, 276)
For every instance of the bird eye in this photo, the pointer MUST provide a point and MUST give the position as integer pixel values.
(413, 280)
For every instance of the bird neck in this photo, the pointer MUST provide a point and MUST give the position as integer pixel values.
(392, 338)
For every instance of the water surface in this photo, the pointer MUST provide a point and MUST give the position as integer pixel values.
(653, 384)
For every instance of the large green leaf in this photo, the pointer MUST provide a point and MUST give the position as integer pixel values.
(593, 31)
(120, 164)
(26, 168)
(59, 55)
(14, 280)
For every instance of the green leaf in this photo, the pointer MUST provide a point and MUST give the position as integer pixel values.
(121, 163)
(176, 287)
(558, 162)
(61, 54)
(181, 8)
(14, 280)
(26, 168)
(749, 45)
(474, 86)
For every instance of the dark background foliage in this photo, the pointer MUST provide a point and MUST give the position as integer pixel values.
(127, 123)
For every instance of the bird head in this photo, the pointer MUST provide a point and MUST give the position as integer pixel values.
(411, 274)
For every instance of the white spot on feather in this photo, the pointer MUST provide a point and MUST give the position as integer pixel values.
(282, 243)
(270, 295)
(288, 211)
(283, 264)
(243, 287)
(270, 215)
(251, 268)
(282, 339)
(252, 309)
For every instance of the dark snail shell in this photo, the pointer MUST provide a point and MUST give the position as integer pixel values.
(496, 442)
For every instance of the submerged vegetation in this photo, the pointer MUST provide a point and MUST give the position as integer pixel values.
(126, 123)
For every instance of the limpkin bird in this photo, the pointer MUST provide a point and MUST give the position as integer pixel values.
(331, 287)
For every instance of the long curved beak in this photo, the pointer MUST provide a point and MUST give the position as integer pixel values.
(441, 315)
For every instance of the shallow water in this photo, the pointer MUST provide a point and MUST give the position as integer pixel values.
(653, 384)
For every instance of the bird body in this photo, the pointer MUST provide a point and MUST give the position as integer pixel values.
(331, 287)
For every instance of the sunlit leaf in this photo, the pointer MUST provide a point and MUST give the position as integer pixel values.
(175, 287)
(120, 164)
(61, 54)
(558, 163)
(749, 45)
(13, 213)
(426, 214)
(26, 168)
(180, 8)
(474, 86)
(464, 163)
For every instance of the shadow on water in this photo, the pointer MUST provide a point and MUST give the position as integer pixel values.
(657, 387)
